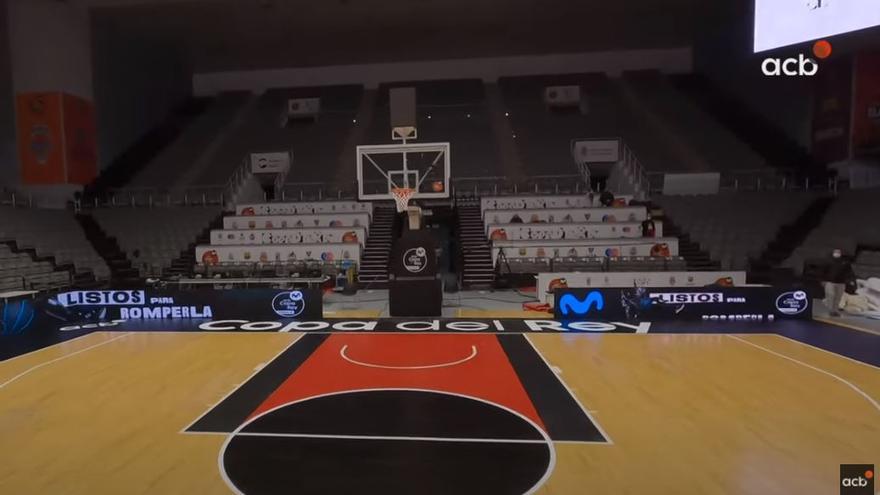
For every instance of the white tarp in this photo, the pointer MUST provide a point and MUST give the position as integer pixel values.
(277, 253)
(297, 221)
(303, 207)
(356, 235)
(537, 231)
(866, 301)
(632, 279)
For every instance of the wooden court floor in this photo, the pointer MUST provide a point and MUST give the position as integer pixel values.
(709, 414)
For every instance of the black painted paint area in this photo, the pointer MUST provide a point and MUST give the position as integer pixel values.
(396, 413)
(563, 417)
(267, 464)
(230, 413)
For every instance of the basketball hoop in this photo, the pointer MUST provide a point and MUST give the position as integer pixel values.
(401, 196)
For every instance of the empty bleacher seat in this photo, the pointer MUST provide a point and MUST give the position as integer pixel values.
(54, 233)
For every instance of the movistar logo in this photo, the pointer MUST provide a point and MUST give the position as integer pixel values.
(569, 304)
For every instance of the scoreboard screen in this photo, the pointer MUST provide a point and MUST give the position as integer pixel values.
(787, 22)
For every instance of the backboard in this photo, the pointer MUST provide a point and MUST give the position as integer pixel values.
(423, 167)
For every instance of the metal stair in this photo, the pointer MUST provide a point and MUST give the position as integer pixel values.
(477, 268)
(373, 271)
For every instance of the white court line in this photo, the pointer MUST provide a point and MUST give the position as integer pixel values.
(820, 370)
(257, 369)
(827, 351)
(425, 367)
(571, 393)
(382, 437)
(13, 358)
(36, 367)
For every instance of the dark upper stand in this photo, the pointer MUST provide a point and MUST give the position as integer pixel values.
(415, 289)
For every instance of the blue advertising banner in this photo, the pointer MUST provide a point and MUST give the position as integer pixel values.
(685, 304)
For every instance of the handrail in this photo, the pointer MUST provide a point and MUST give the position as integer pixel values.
(763, 179)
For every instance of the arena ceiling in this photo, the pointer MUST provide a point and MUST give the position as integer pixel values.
(257, 34)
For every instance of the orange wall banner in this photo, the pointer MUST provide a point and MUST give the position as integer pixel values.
(40, 138)
(57, 139)
(866, 105)
(80, 139)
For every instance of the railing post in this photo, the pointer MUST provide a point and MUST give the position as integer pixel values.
(807, 184)
(736, 184)
(204, 199)
(759, 183)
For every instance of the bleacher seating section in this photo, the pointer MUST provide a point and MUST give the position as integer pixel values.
(540, 237)
(173, 162)
(849, 222)
(288, 237)
(493, 129)
(153, 237)
(54, 233)
(19, 272)
(694, 138)
(734, 227)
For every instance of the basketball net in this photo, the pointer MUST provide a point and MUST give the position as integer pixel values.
(401, 196)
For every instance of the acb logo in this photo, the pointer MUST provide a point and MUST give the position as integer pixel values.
(856, 479)
(800, 66)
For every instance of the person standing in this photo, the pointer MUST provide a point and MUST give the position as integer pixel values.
(839, 273)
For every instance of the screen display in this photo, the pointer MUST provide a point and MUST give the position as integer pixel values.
(787, 22)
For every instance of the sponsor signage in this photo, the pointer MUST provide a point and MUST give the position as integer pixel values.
(591, 248)
(664, 304)
(549, 281)
(270, 163)
(439, 325)
(596, 151)
(303, 208)
(541, 215)
(353, 235)
(556, 201)
(361, 219)
(556, 231)
(210, 255)
(77, 310)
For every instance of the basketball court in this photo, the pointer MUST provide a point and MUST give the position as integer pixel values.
(435, 412)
